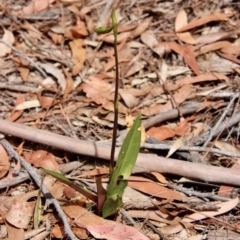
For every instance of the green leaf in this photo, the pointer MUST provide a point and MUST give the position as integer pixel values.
(102, 30)
(38, 208)
(125, 163)
(65, 180)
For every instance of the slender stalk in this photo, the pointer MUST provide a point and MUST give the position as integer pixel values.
(115, 126)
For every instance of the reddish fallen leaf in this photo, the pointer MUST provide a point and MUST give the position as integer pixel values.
(179, 97)
(128, 98)
(101, 93)
(230, 57)
(111, 63)
(186, 37)
(110, 53)
(224, 190)
(78, 55)
(46, 101)
(206, 19)
(201, 78)
(80, 233)
(15, 114)
(189, 58)
(174, 228)
(56, 188)
(14, 232)
(57, 38)
(41, 158)
(20, 213)
(154, 215)
(188, 55)
(54, 71)
(213, 37)
(162, 48)
(159, 177)
(142, 27)
(233, 48)
(223, 207)
(24, 72)
(80, 30)
(95, 172)
(110, 38)
(161, 133)
(155, 189)
(149, 38)
(34, 7)
(135, 66)
(58, 230)
(210, 104)
(99, 227)
(69, 84)
(115, 232)
(212, 47)
(123, 33)
(181, 21)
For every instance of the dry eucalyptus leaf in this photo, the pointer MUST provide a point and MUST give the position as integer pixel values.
(20, 213)
(9, 39)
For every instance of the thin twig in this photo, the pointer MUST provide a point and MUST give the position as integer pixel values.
(221, 119)
(167, 146)
(227, 124)
(18, 88)
(115, 122)
(21, 54)
(198, 194)
(165, 88)
(23, 176)
(12, 153)
(106, 13)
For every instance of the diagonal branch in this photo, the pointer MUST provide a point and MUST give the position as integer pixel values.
(145, 162)
(37, 180)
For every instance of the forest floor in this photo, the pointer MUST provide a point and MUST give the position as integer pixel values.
(179, 67)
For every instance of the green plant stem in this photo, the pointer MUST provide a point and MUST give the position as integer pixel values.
(115, 124)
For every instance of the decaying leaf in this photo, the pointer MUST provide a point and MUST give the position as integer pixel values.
(155, 189)
(100, 227)
(42, 159)
(79, 55)
(20, 213)
(9, 39)
(223, 207)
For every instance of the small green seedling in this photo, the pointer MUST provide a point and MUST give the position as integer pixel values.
(125, 163)
(127, 156)
(102, 30)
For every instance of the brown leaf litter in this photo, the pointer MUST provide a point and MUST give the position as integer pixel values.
(179, 67)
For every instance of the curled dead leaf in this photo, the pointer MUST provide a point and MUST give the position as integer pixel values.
(9, 39)
(142, 27)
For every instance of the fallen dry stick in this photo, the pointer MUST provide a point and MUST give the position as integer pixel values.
(145, 162)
